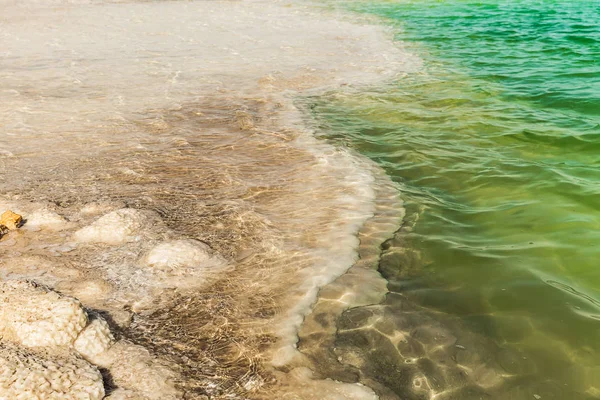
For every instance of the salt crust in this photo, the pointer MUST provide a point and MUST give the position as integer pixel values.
(181, 254)
(133, 367)
(173, 263)
(33, 316)
(119, 227)
(27, 376)
(94, 340)
(45, 218)
(98, 208)
(52, 326)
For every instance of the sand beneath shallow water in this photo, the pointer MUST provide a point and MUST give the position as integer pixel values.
(173, 198)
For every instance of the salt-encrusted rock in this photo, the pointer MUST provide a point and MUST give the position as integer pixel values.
(10, 220)
(94, 340)
(178, 256)
(25, 375)
(183, 264)
(34, 316)
(134, 368)
(118, 227)
(45, 218)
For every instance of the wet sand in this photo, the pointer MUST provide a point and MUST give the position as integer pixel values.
(170, 185)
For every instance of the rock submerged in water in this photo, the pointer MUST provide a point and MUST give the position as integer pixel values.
(184, 263)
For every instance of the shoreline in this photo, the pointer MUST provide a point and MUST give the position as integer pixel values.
(234, 179)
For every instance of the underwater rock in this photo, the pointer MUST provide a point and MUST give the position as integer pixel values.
(182, 264)
(183, 253)
(118, 227)
(26, 375)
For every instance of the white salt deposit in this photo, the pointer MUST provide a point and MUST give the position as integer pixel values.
(99, 208)
(135, 369)
(52, 324)
(45, 219)
(183, 254)
(183, 263)
(335, 247)
(94, 340)
(118, 227)
(34, 316)
(27, 376)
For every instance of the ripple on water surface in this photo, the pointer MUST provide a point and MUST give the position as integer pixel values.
(495, 146)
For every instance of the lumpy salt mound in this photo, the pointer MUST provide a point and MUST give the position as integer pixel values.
(175, 262)
(26, 375)
(33, 316)
(94, 340)
(118, 227)
(48, 344)
(134, 368)
(47, 219)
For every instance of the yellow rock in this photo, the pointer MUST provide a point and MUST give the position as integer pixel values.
(10, 220)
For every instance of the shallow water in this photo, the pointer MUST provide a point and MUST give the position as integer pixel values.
(495, 146)
(180, 113)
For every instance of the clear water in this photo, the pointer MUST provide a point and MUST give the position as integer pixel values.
(497, 147)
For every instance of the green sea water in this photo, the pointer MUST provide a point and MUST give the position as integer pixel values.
(496, 146)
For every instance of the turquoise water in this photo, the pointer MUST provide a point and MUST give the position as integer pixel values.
(496, 145)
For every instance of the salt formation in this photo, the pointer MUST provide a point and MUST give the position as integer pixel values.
(99, 208)
(183, 254)
(94, 340)
(47, 323)
(178, 259)
(45, 218)
(26, 375)
(40, 328)
(118, 227)
(33, 316)
(135, 369)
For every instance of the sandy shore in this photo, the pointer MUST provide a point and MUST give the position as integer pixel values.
(180, 219)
